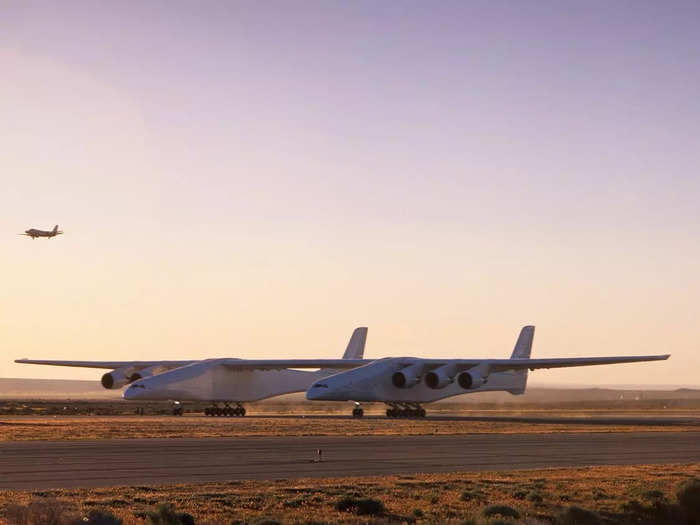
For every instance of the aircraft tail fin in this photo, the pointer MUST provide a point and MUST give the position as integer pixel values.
(522, 350)
(356, 346)
(523, 347)
(55, 228)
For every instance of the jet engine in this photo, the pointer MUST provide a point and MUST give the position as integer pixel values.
(469, 380)
(117, 378)
(440, 377)
(407, 377)
(144, 372)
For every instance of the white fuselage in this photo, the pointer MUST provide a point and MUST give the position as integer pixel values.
(207, 381)
(373, 382)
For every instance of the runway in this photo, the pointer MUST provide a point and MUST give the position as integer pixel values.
(42, 465)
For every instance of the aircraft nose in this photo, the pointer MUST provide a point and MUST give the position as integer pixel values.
(317, 391)
(135, 391)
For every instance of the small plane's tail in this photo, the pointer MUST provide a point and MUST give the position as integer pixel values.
(55, 229)
(522, 350)
(356, 346)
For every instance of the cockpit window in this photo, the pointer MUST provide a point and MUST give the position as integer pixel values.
(320, 385)
(137, 386)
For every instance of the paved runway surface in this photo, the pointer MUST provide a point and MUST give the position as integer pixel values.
(39, 465)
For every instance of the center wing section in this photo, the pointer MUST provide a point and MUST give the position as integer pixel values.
(278, 364)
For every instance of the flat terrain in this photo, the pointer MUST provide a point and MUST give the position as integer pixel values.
(21, 428)
(627, 494)
(155, 461)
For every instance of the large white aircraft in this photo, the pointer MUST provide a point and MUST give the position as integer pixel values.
(221, 380)
(404, 383)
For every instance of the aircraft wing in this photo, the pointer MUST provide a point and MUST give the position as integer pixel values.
(238, 364)
(112, 365)
(275, 364)
(498, 365)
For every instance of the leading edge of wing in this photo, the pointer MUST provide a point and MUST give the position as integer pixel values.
(104, 364)
(565, 362)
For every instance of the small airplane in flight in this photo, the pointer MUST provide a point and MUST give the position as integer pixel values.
(220, 380)
(404, 383)
(34, 233)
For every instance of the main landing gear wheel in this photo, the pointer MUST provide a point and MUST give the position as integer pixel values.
(225, 411)
(357, 412)
(415, 411)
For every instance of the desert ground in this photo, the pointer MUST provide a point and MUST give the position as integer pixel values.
(19, 428)
(628, 494)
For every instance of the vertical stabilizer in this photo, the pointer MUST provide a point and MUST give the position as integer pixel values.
(524, 345)
(356, 346)
(55, 228)
(522, 350)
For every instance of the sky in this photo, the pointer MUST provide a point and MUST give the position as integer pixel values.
(255, 179)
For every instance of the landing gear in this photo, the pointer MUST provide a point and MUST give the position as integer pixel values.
(357, 411)
(405, 410)
(225, 411)
(178, 409)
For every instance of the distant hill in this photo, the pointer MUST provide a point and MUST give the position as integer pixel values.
(54, 389)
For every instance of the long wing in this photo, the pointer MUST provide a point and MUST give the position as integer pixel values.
(112, 365)
(497, 365)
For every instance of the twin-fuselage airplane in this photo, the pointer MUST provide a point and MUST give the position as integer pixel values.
(403, 383)
(34, 233)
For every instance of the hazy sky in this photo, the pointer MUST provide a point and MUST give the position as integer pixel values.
(255, 179)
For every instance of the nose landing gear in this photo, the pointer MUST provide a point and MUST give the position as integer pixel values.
(405, 410)
(226, 411)
(357, 411)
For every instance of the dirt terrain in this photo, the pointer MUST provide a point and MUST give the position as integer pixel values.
(17, 428)
(609, 494)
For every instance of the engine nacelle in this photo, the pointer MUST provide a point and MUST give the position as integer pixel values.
(407, 377)
(440, 377)
(117, 378)
(144, 372)
(470, 380)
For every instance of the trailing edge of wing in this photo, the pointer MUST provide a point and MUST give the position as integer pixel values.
(274, 364)
(105, 364)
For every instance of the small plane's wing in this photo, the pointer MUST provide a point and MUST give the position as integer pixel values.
(275, 364)
(105, 364)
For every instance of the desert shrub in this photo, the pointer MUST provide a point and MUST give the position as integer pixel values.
(535, 497)
(519, 494)
(39, 512)
(267, 521)
(98, 517)
(418, 513)
(500, 510)
(469, 495)
(653, 496)
(294, 503)
(361, 507)
(577, 516)
(688, 495)
(165, 514)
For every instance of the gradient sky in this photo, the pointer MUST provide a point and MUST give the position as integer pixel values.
(254, 179)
